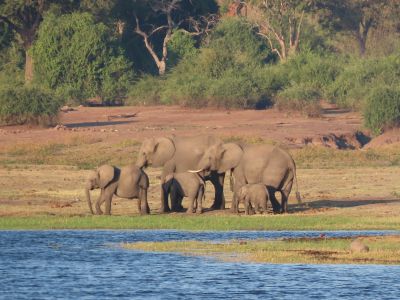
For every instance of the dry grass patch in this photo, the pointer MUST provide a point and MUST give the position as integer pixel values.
(383, 250)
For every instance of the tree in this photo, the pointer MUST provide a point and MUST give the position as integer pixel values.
(79, 58)
(162, 18)
(24, 18)
(280, 22)
(356, 17)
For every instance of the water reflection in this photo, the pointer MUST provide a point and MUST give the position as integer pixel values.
(87, 265)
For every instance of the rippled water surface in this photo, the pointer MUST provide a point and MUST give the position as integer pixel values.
(90, 265)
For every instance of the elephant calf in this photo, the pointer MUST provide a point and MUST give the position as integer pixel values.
(253, 195)
(185, 184)
(128, 182)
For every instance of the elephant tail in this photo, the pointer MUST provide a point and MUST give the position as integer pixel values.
(231, 181)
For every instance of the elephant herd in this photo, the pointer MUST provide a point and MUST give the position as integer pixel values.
(257, 172)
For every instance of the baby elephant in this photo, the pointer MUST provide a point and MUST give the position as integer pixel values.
(128, 182)
(253, 194)
(185, 184)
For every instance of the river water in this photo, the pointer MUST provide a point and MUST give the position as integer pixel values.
(89, 264)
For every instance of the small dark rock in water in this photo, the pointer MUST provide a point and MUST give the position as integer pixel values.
(357, 246)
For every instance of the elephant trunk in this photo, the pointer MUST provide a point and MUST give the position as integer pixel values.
(87, 192)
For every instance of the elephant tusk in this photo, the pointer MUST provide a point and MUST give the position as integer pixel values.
(195, 171)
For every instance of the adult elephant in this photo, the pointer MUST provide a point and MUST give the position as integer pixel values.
(266, 164)
(180, 154)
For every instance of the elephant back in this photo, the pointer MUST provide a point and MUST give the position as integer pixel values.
(190, 150)
(128, 184)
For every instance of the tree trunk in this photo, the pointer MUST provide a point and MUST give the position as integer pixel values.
(161, 67)
(28, 67)
(362, 47)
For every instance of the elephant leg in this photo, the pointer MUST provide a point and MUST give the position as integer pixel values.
(108, 199)
(275, 204)
(190, 210)
(218, 182)
(176, 198)
(164, 199)
(285, 196)
(199, 201)
(263, 206)
(143, 205)
(246, 207)
(99, 202)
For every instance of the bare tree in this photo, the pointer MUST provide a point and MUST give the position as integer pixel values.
(280, 22)
(167, 8)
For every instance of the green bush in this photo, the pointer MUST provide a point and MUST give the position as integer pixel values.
(353, 85)
(145, 92)
(300, 97)
(221, 73)
(180, 46)
(382, 109)
(80, 59)
(28, 105)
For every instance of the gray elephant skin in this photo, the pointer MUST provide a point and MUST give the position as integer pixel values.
(266, 164)
(128, 182)
(180, 154)
(185, 184)
(254, 197)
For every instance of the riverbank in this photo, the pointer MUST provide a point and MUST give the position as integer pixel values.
(382, 250)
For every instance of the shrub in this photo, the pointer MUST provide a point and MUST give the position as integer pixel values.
(234, 89)
(300, 97)
(145, 92)
(28, 105)
(382, 109)
(80, 59)
(353, 85)
(180, 46)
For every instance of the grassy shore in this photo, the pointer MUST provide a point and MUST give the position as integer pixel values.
(204, 222)
(383, 250)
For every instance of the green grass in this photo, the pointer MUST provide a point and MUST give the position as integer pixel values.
(382, 250)
(203, 222)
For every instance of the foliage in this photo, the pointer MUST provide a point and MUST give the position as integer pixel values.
(180, 46)
(223, 71)
(79, 59)
(359, 76)
(356, 17)
(382, 109)
(32, 105)
(300, 97)
(146, 91)
(280, 23)
(11, 65)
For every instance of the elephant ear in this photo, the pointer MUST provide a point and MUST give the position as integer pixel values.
(230, 155)
(105, 174)
(163, 151)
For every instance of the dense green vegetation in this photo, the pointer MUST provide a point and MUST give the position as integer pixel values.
(207, 53)
(20, 105)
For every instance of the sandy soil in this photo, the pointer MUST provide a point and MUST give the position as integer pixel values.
(46, 189)
(163, 120)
